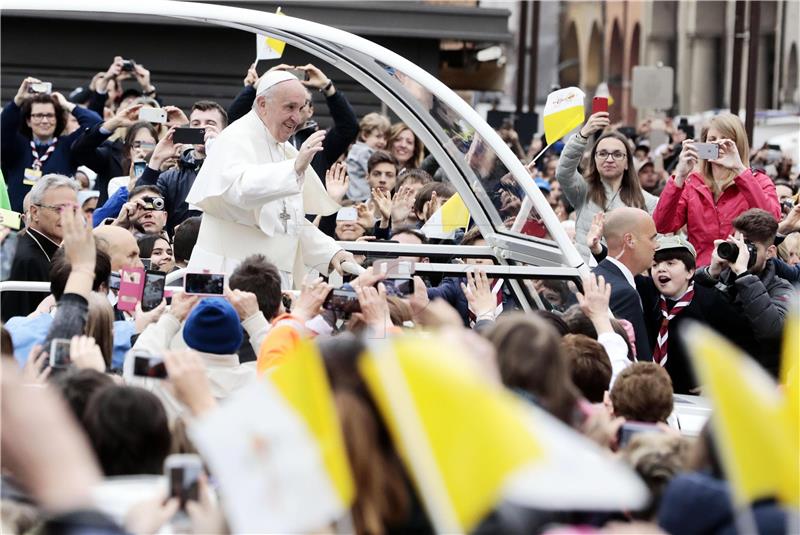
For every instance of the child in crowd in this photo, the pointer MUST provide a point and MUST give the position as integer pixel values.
(372, 130)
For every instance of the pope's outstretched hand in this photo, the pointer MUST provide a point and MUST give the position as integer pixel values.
(308, 149)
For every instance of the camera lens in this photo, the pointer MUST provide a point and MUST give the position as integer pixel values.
(727, 251)
(158, 203)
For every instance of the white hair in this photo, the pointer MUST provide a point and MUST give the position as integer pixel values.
(48, 182)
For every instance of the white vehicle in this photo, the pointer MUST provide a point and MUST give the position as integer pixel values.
(465, 147)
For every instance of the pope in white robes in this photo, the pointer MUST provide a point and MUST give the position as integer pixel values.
(255, 189)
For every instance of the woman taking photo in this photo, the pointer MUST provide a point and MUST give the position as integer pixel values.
(31, 140)
(610, 182)
(707, 198)
(406, 148)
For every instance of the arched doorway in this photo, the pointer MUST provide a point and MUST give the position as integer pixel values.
(593, 70)
(616, 65)
(569, 61)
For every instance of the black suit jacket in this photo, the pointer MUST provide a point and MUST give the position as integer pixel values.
(625, 304)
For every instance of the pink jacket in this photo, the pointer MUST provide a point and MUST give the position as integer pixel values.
(693, 205)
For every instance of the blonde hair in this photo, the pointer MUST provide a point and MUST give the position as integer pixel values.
(416, 158)
(372, 122)
(730, 127)
(100, 325)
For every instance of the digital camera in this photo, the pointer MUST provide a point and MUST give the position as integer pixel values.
(730, 252)
(153, 203)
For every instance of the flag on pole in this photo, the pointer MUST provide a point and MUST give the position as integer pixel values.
(269, 47)
(755, 431)
(563, 111)
(302, 381)
(451, 216)
(469, 443)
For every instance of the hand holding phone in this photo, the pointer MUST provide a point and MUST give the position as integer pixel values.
(599, 104)
(189, 136)
(139, 363)
(131, 286)
(153, 292)
(42, 87)
(204, 284)
(153, 115)
(60, 353)
(182, 472)
(707, 151)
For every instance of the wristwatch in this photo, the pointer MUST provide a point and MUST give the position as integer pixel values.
(326, 87)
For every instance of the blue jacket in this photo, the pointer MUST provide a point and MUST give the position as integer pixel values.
(16, 156)
(175, 185)
(111, 207)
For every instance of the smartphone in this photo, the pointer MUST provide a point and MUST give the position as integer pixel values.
(12, 220)
(153, 115)
(300, 74)
(599, 104)
(128, 65)
(138, 168)
(113, 281)
(42, 87)
(153, 293)
(343, 302)
(145, 364)
(399, 287)
(204, 283)
(182, 472)
(131, 286)
(707, 151)
(629, 429)
(189, 136)
(59, 353)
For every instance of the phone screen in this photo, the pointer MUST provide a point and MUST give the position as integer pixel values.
(399, 287)
(183, 482)
(59, 353)
(204, 283)
(629, 429)
(138, 168)
(343, 302)
(153, 290)
(149, 366)
(113, 281)
(189, 136)
(599, 104)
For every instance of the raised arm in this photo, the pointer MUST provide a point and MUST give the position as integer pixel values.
(571, 181)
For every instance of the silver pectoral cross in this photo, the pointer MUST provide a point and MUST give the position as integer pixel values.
(285, 217)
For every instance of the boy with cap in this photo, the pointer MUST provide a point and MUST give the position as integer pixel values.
(669, 297)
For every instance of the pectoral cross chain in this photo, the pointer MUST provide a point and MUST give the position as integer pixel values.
(285, 217)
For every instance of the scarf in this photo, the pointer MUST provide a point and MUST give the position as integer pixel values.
(660, 351)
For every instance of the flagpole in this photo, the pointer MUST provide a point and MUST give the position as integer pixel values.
(527, 203)
(414, 441)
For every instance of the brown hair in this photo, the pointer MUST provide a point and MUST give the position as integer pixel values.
(630, 191)
(382, 497)
(209, 105)
(443, 190)
(529, 358)
(419, 149)
(471, 236)
(589, 365)
(40, 98)
(414, 176)
(757, 225)
(381, 156)
(730, 127)
(130, 135)
(100, 325)
(643, 392)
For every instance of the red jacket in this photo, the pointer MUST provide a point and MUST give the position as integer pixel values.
(693, 205)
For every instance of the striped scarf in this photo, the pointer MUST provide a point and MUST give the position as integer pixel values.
(660, 351)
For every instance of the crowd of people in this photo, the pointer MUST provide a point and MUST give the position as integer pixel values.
(671, 238)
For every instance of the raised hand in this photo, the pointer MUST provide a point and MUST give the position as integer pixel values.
(24, 90)
(729, 156)
(308, 149)
(366, 217)
(85, 354)
(312, 295)
(36, 369)
(186, 373)
(478, 292)
(596, 233)
(686, 162)
(143, 77)
(164, 150)
(251, 78)
(316, 78)
(374, 307)
(245, 303)
(175, 116)
(402, 205)
(596, 123)
(337, 181)
(594, 302)
(383, 201)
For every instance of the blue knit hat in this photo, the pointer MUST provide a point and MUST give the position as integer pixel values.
(213, 327)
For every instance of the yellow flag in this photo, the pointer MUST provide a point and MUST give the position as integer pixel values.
(460, 436)
(269, 47)
(751, 421)
(563, 111)
(443, 224)
(302, 381)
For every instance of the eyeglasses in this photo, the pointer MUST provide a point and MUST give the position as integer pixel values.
(603, 155)
(143, 145)
(40, 116)
(56, 207)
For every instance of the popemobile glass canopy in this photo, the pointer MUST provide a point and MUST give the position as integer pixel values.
(493, 183)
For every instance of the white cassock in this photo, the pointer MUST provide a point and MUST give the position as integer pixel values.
(253, 202)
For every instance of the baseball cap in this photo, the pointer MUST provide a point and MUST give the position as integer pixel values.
(675, 241)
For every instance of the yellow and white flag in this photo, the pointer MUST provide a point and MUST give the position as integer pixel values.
(451, 216)
(468, 443)
(755, 428)
(269, 47)
(563, 111)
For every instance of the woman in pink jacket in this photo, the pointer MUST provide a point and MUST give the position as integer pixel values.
(707, 198)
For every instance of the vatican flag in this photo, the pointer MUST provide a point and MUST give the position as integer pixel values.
(563, 111)
(451, 216)
(753, 422)
(269, 47)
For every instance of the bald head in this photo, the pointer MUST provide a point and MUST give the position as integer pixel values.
(120, 245)
(630, 234)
